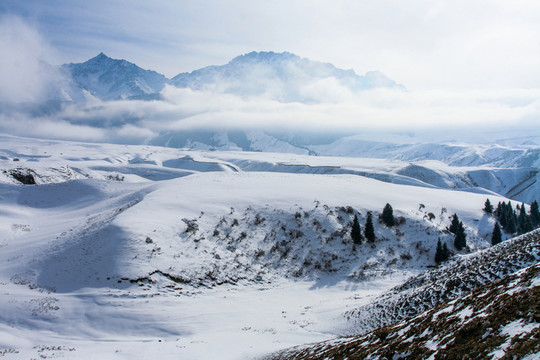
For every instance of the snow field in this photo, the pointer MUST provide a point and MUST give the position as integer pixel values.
(109, 268)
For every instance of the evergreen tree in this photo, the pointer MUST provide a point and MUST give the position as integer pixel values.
(369, 230)
(524, 221)
(496, 235)
(442, 253)
(507, 217)
(387, 216)
(445, 251)
(535, 214)
(488, 208)
(460, 238)
(511, 220)
(454, 224)
(500, 212)
(438, 252)
(356, 233)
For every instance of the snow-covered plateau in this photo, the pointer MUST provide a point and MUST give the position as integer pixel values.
(132, 251)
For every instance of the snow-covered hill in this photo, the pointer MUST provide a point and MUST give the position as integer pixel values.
(510, 170)
(520, 184)
(496, 320)
(203, 248)
(448, 282)
(454, 154)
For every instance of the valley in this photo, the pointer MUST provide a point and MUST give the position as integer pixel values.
(205, 247)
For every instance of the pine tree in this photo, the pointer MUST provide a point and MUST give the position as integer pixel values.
(356, 233)
(496, 235)
(369, 230)
(438, 252)
(534, 214)
(445, 251)
(500, 212)
(488, 208)
(442, 253)
(387, 216)
(511, 221)
(524, 221)
(460, 238)
(454, 224)
(507, 217)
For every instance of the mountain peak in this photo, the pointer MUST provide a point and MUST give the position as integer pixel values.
(101, 57)
(283, 76)
(264, 56)
(109, 79)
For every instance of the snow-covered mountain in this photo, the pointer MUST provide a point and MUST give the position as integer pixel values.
(111, 79)
(282, 76)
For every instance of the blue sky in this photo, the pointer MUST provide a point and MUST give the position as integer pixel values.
(423, 44)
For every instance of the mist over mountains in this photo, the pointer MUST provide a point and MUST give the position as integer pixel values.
(284, 77)
(279, 102)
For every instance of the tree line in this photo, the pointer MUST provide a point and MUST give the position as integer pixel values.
(514, 221)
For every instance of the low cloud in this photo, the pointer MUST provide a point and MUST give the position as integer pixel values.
(380, 110)
(24, 74)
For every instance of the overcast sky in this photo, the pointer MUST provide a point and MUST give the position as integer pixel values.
(425, 45)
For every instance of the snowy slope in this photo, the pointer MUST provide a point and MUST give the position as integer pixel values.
(448, 282)
(454, 154)
(111, 79)
(497, 320)
(133, 251)
(154, 162)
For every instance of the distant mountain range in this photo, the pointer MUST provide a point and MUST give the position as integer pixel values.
(283, 76)
(82, 94)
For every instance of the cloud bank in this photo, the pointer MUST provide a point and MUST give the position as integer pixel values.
(26, 81)
(128, 121)
(24, 74)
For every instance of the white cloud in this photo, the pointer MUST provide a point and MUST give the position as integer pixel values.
(23, 74)
(185, 109)
(50, 128)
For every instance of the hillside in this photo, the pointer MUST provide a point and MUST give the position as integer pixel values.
(154, 163)
(489, 312)
(204, 248)
(424, 291)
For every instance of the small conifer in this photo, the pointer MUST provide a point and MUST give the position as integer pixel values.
(534, 214)
(454, 224)
(488, 208)
(387, 216)
(369, 230)
(496, 235)
(442, 253)
(460, 238)
(356, 233)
